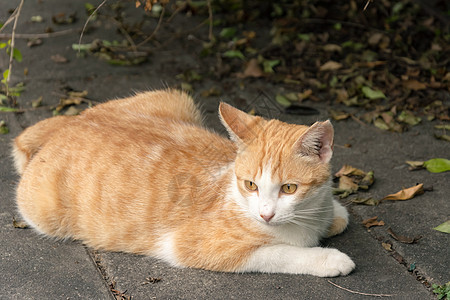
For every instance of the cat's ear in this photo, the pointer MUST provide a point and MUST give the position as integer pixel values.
(317, 141)
(237, 122)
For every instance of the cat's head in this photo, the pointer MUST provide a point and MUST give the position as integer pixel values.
(279, 167)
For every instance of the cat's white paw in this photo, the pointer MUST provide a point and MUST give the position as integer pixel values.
(333, 263)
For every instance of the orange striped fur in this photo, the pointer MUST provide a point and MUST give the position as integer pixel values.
(143, 175)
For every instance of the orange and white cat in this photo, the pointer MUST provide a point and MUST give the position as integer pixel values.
(143, 175)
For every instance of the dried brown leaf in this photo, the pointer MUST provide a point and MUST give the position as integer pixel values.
(387, 246)
(330, 66)
(404, 239)
(366, 201)
(20, 224)
(406, 194)
(372, 222)
(57, 58)
(252, 69)
(349, 170)
(413, 84)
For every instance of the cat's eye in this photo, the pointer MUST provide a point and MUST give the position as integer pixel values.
(289, 188)
(250, 185)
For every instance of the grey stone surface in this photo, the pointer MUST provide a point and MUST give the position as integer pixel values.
(33, 267)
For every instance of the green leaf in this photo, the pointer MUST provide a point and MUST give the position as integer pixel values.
(3, 45)
(234, 54)
(228, 32)
(444, 227)
(81, 47)
(5, 76)
(304, 37)
(270, 64)
(3, 128)
(409, 118)
(17, 55)
(352, 45)
(283, 100)
(437, 165)
(8, 109)
(372, 94)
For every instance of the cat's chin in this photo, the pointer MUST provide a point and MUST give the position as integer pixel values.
(271, 223)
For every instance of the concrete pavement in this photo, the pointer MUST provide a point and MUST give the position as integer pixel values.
(34, 267)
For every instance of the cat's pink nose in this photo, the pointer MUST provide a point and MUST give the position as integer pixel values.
(267, 218)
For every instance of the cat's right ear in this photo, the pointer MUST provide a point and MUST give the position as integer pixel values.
(237, 122)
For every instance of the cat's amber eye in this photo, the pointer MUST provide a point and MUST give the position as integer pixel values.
(250, 185)
(289, 188)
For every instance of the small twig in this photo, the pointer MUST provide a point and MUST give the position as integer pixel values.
(367, 4)
(359, 293)
(357, 120)
(161, 16)
(210, 17)
(87, 21)
(125, 33)
(10, 19)
(37, 35)
(11, 54)
(179, 8)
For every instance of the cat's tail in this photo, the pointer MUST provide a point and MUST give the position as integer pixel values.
(28, 143)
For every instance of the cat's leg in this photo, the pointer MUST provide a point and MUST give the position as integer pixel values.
(28, 143)
(323, 262)
(340, 219)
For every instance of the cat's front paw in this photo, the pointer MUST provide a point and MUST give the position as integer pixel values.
(334, 263)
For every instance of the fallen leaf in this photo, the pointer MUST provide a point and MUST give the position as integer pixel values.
(366, 201)
(346, 183)
(282, 100)
(72, 111)
(3, 128)
(437, 165)
(187, 87)
(372, 222)
(37, 19)
(413, 84)
(20, 224)
(37, 102)
(367, 181)
(444, 137)
(59, 59)
(444, 227)
(252, 69)
(62, 19)
(409, 118)
(445, 126)
(349, 170)
(406, 194)
(214, 91)
(403, 239)
(332, 48)
(330, 66)
(387, 246)
(415, 165)
(304, 95)
(270, 64)
(34, 42)
(8, 109)
(339, 115)
(375, 38)
(372, 94)
(234, 54)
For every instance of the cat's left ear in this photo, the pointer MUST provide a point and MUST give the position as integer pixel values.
(317, 141)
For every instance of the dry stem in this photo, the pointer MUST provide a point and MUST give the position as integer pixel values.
(87, 21)
(161, 16)
(359, 293)
(11, 54)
